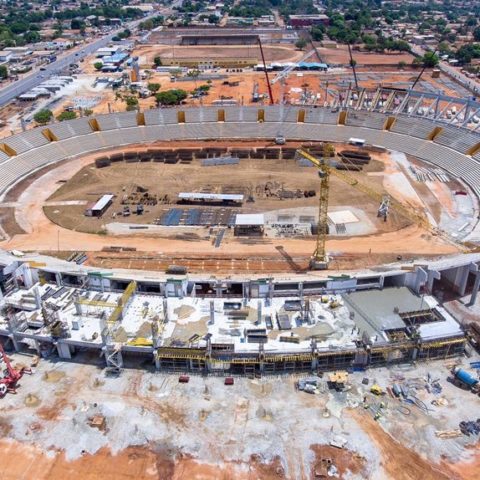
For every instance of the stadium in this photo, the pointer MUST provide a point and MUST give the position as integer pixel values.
(192, 289)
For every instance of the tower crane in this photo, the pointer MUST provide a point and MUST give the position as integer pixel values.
(282, 76)
(319, 259)
(265, 71)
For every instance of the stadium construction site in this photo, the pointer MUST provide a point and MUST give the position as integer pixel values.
(246, 318)
(190, 240)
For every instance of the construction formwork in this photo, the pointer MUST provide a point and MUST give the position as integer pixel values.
(319, 361)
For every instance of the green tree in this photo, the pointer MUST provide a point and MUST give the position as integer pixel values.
(146, 25)
(430, 59)
(154, 87)
(132, 102)
(43, 116)
(171, 97)
(66, 116)
(317, 32)
(98, 65)
(301, 43)
(180, 94)
(3, 71)
(77, 24)
(476, 34)
(157, 61)
(32, 37)
(166, 98)
(402, 65)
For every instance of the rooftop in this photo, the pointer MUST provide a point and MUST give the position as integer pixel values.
(250, 219)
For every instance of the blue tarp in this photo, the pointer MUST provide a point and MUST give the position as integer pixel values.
(312, 66)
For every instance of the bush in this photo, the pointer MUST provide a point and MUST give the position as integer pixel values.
(66, 116)
(132, 103)
(98, 65)
(153, 87)
(43, 116)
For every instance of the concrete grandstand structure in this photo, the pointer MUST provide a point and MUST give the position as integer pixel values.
(411, 122)
(446, 143)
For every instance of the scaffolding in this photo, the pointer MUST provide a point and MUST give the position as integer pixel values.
(113, 350)
(363, 356)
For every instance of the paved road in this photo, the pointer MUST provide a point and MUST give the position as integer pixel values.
(30, 81)
(472, 84)
(27, 83)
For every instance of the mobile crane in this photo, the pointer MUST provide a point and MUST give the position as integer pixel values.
(11, 376)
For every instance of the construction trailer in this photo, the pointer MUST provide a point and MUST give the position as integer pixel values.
(210, 198)
(251, 225)
(100, 207)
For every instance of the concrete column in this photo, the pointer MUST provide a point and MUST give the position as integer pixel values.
(420, 279)
(2, 301)
(476, 287)
(63, 350)
(38, 300)
(244, 290)
(381, 281)
(432, 276)
(16, 343)
(212, 312)
(462, 279)
(27, 277)
(259, 312)
(270, 291)
(58, 279)
(414, 353)
(157, 361)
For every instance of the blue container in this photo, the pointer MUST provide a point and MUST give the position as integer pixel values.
(466, 377)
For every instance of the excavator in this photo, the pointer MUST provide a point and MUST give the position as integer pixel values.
(11, 376)
(319, 260)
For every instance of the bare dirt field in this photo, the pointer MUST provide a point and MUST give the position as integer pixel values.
(340, 56)
(273, 53)
(249, 178)
(262, 428)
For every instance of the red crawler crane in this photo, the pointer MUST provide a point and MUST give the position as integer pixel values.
(11, 376)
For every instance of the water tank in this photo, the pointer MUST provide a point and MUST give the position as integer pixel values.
(465, 377)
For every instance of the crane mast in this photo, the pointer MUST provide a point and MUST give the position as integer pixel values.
(319, 260)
